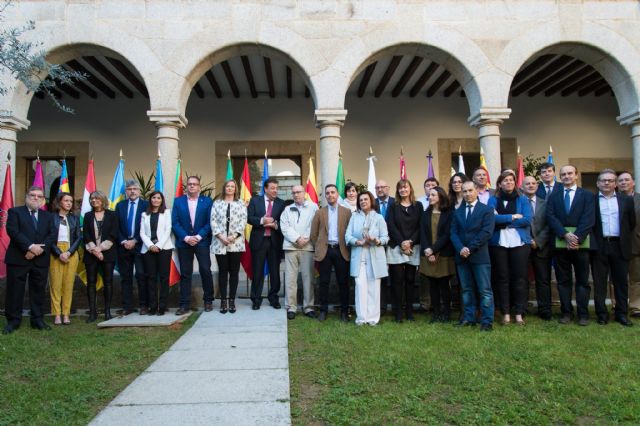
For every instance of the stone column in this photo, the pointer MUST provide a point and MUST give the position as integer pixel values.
(168, 123)
(9, 127)
(329, 121)
(488, 122)
(633, 121)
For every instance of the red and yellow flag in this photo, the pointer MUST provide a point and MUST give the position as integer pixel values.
(310, 189)
(483, 164)
(245, 195)
(174, 270)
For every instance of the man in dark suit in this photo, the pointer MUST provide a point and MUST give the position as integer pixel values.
(383, 205)
(265, 242)
(471, 229)
(32, 233)
(539, 257)
(572, 206)
(615, 222)
(328, 230)
(548, 182)
(191, 223)
(129, 213)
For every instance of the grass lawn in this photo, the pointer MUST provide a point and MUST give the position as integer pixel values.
(67, 375)
(543, 373)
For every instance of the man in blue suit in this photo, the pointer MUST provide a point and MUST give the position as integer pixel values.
(471, 229)
(129, 213)
(571, 206)
(191, 222)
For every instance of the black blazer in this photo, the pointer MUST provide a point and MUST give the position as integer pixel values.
(75, 234)
(390, 203)
(626, 220)
(581, 215)
(109, 232)
(542, 191)
(404, 225)
(443, 245)
(255, 212)
(22, 234)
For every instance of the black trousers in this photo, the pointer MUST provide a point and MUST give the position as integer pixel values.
(509, 266)
(403, 279)
(185, 256)
(579, 261)
(334, 260)
(157, 267)
(385, 287)
(127, 260)
(608, 260)
(440, 293)
(17, 276)
(228, 271)
(542, 272)
(267, 252)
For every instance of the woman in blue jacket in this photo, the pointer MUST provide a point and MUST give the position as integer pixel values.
(509, 247)
(367, 235)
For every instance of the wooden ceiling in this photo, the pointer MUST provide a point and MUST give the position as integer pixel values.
(393, 76)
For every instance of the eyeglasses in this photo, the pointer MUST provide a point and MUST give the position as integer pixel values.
(193, 184)
(382, 187)
(607, 180)
(35, 195)
(297, 192)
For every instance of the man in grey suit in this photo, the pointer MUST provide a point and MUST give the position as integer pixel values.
(540, 256)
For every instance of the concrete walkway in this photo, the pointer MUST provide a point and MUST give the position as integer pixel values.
(230, 369)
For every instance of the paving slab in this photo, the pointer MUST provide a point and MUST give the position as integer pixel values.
(221, 359)
(137, 320)
(200, 339)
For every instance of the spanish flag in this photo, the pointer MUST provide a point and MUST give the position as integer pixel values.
(483, 164)
(310, 189)
(245, 195)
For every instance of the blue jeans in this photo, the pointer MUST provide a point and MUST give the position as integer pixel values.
(476, 276)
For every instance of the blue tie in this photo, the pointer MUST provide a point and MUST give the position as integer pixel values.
(132, 206)
(383, 209)
(34, 219)
(567, 200)
(468, 211)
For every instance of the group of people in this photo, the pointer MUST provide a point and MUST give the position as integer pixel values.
(470, 237)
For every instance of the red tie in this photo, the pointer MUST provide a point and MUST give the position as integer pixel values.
(267, 231)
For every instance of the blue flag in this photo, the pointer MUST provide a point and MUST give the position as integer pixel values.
(159, 178)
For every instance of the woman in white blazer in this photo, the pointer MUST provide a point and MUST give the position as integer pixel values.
(228, 220)
(367, 235)
(157, 246)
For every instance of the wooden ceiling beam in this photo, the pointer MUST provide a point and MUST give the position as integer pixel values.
(395, 61)
(83, 87)
(307, 92)
(198, 89)
(406, 76)
(603, 91)
(269, 72)
(530, 69)
(214, 83)
(438, 83)
(426, 75)
(129, 75)
(247, 72)
(568, 70)
(368, 72)
(104, 71)
(568, 80)
(542, 75)
(289, 83)
(452, 88)
(67, 89)
(229, 75)
(599, 84)
(95, 81)
(594, 76)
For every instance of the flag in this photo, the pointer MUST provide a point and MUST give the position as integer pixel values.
(38, 180)
(245, 195)
(461, 162)
(159, 186)
(520, 171)
(174, 269)
(64, 178)
(430, 173)
(371, 179)
(116, 193)
(339, 178)
(310, 189)
(550, 157)
(483, 164)
(265, 172)
(229, 167)
(89, 187)
(403, 165)
(5, 204)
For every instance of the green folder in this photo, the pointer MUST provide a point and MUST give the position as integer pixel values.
(562, 244)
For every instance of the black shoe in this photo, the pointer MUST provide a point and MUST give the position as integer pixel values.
(182, 311)
(344, 317)
(486, 327)
(276, 305)
(9, 328)
(624, 321)
(144, 311)
(446, 318)
(255, 306)
(464, 323)
(223, 306)
(161, 311)
(583, 322)
(545, 317)
(434, 319)
(565, 319)
(310, 314)
(208, 307)
(291, 315)
(322, 316)
(232, 306)
(410, 318)
(602, 321)
(40, 325)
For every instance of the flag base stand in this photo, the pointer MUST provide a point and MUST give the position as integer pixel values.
(137, 320)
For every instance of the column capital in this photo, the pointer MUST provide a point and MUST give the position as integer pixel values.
(488, 116)
(327, 117)
(167, 118)
(629, 119)
(14, 123)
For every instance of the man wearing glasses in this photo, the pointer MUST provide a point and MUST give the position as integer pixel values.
(32, 233)
(295, 223)
(190, 219)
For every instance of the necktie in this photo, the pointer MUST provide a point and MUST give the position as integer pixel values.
(533, 205)
(468, 211)
(34, 219)
(267, 231)
(383, 210)
(548, 189)
(132, 206)
(567, 200)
